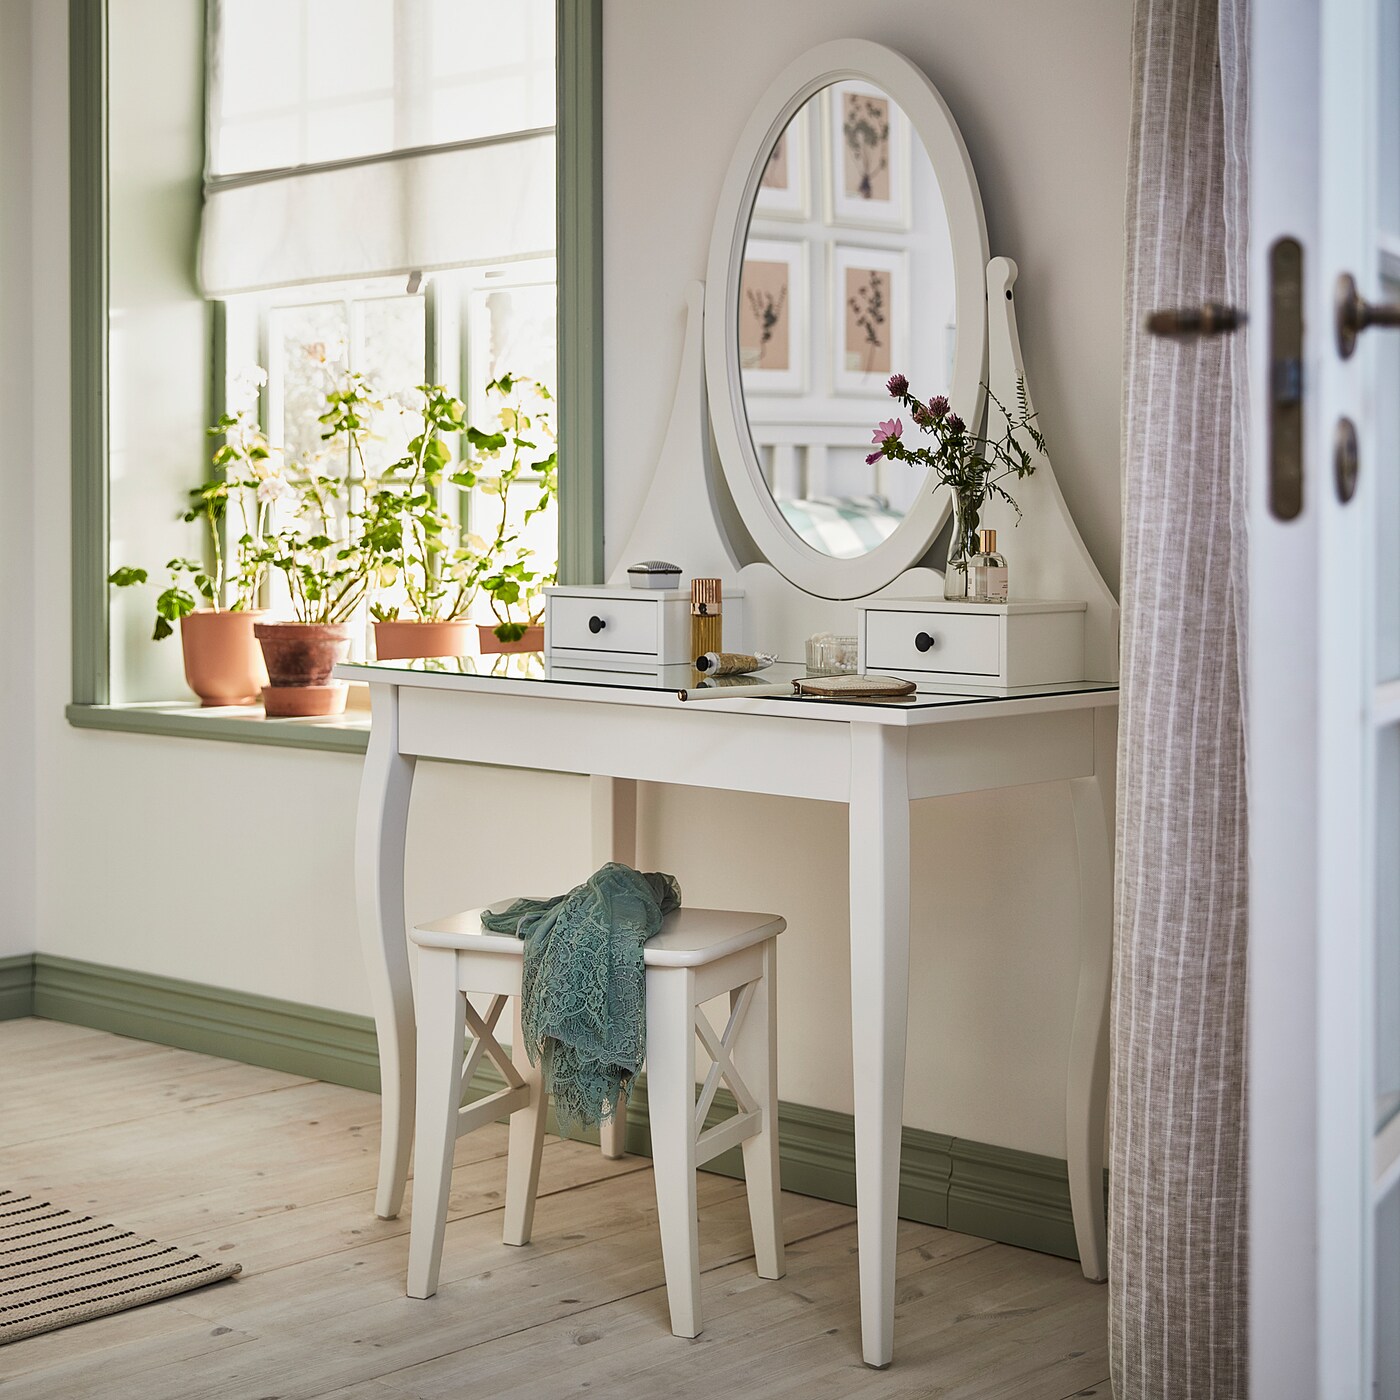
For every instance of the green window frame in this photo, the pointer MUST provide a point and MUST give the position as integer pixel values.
(579, 252)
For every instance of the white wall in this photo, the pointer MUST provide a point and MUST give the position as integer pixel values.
(17, 472)
(231, 864)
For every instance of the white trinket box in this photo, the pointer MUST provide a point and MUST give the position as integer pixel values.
(991, 644)
(615, 627)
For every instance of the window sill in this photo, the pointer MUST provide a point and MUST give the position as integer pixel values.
(243, 724)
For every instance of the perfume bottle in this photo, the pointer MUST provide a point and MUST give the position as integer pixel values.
(706, 616)
(986, 571)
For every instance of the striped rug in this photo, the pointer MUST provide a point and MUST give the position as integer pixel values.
(58, 1267)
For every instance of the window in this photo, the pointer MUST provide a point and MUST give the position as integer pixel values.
(443, 295)
(363, 138)
(346, 146)
(461, 328)
(306, 82)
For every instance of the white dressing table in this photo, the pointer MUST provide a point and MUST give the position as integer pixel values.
(723, 515)
(875, 758)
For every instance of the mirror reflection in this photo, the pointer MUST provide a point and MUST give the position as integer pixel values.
(847, 279)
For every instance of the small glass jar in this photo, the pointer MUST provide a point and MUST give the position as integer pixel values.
(831, 655)
(986, 571)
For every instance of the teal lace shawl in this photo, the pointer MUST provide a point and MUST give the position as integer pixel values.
(583, 1001)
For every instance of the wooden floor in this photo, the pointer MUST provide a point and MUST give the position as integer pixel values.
(277, 1172)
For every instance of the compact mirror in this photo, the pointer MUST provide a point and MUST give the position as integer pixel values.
(849, 246)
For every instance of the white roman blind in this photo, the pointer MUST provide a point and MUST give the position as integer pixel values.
(360, 138)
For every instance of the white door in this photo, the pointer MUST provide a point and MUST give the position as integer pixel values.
(1324, 707)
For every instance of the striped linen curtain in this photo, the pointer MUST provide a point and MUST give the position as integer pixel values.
(1178, 1212)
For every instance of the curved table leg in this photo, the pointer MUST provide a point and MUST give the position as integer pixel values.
(381, 829)
(879, 856)
(1086, 1094)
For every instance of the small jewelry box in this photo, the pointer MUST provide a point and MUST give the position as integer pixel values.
(654, 573)
(611, 627)
(979, 644)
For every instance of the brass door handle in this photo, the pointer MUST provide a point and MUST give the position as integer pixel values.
(1355, 314)
(1187, 322)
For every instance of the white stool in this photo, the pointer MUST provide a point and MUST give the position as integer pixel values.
(699, 954)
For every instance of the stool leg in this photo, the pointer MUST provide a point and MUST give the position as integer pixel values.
(441, 1036)
(614, 803)
(671, 1103)
(756, 1059)
(612, 1134)
(526, 1143)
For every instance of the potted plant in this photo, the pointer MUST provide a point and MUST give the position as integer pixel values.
(971, 465)
(417, 545)
(420, 549)
(523, 444)
(223, 665)
(320, 552)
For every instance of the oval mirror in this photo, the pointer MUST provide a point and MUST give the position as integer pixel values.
(849, 245)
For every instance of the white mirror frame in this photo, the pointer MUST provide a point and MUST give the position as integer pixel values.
(839, 61)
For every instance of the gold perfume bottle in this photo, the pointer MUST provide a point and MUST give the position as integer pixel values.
(986, 571)
(706, 616)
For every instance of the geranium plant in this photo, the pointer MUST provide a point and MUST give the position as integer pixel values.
(421, 545)
(248, 474)
(972, 465)
(413, 539)
(521, 448)
(351, 403)
(317, 549)
(318, 542)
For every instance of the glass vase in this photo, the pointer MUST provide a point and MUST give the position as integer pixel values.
(962, 544)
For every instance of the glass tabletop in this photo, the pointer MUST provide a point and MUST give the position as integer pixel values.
(774, 683)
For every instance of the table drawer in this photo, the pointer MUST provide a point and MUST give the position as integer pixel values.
(962, 644)
(605, 624)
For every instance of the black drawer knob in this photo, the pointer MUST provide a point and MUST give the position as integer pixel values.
(923, 641)
(596, 625)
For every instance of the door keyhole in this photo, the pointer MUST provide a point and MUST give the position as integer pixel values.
(1346, 459)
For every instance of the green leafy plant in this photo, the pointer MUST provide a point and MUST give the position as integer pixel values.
(338, 536)
(350, 402)
(419, 544)
(174, 601)
(319, 544)
(414, 541)
(325, 564)
(521, 447)
(247, 473)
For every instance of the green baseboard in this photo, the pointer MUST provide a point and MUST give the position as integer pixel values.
(996, 1193)
(256, 1030)
(16, 986)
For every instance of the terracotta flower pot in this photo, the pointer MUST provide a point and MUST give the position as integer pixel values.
(489, 642)
(405, 640)
(299, 658)
(223, 665)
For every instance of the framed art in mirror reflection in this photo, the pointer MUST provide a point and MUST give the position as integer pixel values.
(869, 317)
(784, 189)
(867, 157)
(773, 317)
